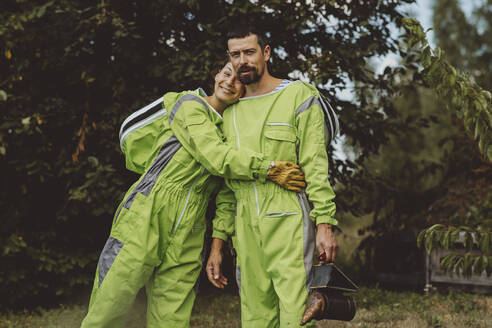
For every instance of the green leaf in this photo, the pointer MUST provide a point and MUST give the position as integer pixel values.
(447, 262)
(3, 95)
(488, 265)
(468, 241)
(26, 120)
(436, 226)
(458, 265)
(485, 243)
(429, 241)
(93, 161)
(455, 234)
(41, 11)
(479, 128)
(477, 265)
(421, 237)
(467, 265)
(445, 241)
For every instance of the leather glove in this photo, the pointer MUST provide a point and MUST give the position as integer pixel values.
(288, 175)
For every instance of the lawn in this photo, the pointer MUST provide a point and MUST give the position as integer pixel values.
(376, 308)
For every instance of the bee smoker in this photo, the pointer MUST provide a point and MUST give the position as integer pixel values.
(326, 299)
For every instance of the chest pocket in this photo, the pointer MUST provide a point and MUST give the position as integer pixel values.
(280, 141)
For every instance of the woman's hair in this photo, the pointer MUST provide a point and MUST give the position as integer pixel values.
(220, 63)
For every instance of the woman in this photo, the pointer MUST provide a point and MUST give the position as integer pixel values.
(157, 233)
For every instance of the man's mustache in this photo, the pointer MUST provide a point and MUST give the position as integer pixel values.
(245, 69)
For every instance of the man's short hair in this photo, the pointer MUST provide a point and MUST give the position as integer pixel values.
(243, 30)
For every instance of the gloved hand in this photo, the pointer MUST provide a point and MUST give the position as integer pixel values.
(315, 306)
(288, 175)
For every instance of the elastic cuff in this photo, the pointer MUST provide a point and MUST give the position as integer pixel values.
(262, 172)
(220, 235)
(326, 219)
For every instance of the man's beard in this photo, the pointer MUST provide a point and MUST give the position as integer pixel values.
(249, 79)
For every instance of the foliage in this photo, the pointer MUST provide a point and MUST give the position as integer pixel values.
(429, 171)
(473, 105)
(466, 99)
(475, 236)
(71, 71)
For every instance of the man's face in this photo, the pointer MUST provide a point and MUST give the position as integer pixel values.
(248, 59)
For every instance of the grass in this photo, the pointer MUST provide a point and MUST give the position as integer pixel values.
(376, 308)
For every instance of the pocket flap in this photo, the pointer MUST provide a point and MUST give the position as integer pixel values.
(283, 135)
(195, 120)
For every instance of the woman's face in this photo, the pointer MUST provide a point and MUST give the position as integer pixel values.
(227, 87)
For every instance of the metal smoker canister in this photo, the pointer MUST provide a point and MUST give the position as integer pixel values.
(327, 288)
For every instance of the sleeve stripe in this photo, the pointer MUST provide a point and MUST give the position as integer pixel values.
(184, 98)
(308, 103)
(140, 124)
(141, 114)
(331, 120)
(331, 117)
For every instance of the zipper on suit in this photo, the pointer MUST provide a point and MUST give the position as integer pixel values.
(235, 125)
(188, 199)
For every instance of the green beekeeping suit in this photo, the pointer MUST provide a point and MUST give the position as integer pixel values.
(157, 233)
(274, 228)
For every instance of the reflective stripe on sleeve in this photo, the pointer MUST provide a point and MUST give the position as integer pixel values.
(187, 97)
(140, 115)
(108, 255)
(331, 120)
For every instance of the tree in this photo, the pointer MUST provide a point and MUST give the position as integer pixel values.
(403, 191)
(465, 213)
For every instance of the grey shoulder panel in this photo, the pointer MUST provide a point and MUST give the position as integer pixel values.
(187, 97)
(308, 103)
(332, 126)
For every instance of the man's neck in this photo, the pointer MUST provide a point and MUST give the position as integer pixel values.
(266, 84)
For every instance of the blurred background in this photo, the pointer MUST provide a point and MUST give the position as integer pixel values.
(413, 160)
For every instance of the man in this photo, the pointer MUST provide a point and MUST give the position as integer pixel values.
(275, 235)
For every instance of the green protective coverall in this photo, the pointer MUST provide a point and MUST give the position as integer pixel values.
(274, 228)
(158, 230)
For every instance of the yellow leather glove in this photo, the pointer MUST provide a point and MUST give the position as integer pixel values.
(288, 175)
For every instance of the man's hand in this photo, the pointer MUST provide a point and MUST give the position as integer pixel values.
(287, 175)
(326, 243)
(213, 264)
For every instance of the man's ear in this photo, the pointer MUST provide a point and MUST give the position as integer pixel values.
(267, 52)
